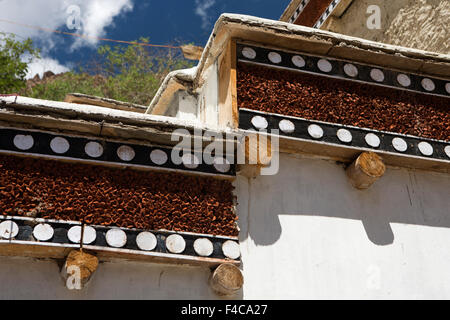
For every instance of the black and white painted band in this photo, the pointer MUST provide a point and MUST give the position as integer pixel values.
(344, 135)
(93, 150)
(326, 13)
(69, 233)
(343, 70)
(298, 11)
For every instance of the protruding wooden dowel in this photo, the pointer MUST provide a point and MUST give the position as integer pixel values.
(226, 279)
(365, 170)
(257, 149)
(249, 171)
(78, 269)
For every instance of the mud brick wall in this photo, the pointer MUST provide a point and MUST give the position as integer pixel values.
(113, 197)
(345, 102)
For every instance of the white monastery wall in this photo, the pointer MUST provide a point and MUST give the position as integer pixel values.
(26, 278)
(306, 233)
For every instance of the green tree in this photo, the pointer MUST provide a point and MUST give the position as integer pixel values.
(14, 59)
(126, 73)
(69, 82)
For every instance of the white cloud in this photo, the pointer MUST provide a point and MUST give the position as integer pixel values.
(39, 66)
(201, 9)
(45, 14)
(95, 16)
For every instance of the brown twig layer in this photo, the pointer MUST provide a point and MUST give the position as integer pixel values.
(111, 197)
(344, 102)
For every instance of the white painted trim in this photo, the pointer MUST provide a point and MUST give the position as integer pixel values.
(99, 112)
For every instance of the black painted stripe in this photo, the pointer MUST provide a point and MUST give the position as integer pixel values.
(61, 229)
(390, 76)
(41, 147)
(330, 134)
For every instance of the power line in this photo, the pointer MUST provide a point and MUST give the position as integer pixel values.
(89, 37)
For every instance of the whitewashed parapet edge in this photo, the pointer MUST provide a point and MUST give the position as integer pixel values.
(45, 238)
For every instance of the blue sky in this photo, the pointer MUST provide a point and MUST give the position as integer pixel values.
(164, 22)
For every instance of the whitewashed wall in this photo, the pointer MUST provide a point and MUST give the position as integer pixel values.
(25, 278)
(307, 234)
(208, 98)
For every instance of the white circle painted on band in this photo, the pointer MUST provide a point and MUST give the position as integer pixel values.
(8, 229)
(324, 65)
(447, 151)
(146, 241)
(126, 153)
(23, 142)
(447, 87)
(404, 80)
(344, 135)
(274, 57)
(298, 61)
(190, 160)
(222, 165)
(428, 84)
(93, 149)
(249, 53)
(203, 247)
(350, 70)
(175, 243)
(43, 232)
(89, 235)
(399, 144)
(425, 148)
(286, 126)
(158, 157)
(74, 234)
(377, 75)
(259, 122)
(116, 238)
(315, 131)
(372, 140)
(59, 145)
(231, 249)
